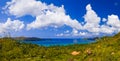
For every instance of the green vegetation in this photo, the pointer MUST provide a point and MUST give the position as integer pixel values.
(105, 49)
(27, 38)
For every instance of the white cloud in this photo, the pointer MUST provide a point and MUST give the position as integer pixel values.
(82, 33)
(67, 31)
(75, 32)
(10, 25)
(54, 16)
(113, 21)
(25, 7)
(46, 15)
(106, 29)
(91, 16)
(104, 19)
(92, 20)
(61, 34)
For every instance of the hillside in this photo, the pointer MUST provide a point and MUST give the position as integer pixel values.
(104, 49)
(26, 38)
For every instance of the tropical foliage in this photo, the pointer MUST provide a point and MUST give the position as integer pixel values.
(104, 49)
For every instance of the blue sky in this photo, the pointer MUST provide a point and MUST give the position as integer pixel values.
(59, 18)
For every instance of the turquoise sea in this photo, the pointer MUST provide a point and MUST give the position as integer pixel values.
(59, 42)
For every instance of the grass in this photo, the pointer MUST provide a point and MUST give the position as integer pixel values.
(105, 49)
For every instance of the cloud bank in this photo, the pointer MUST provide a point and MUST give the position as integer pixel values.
(54, 16)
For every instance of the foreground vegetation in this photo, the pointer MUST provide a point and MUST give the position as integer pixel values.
(105, 49)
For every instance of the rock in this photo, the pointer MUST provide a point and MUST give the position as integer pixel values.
(75, 53)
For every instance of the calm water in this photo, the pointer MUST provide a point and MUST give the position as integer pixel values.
(60, 42)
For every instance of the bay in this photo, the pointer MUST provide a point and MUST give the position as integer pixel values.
(60, 42)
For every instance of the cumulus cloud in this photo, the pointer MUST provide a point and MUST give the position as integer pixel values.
(54, 16)
(25, 7)
(113, 21)
(93, 27)
(46, 15)
(92, 20)
(106, 29)
(10, 25)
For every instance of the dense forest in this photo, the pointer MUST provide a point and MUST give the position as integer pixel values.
(104, 49)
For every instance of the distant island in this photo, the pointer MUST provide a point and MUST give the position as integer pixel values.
(27, 38)
(23, 38)
(91, 38)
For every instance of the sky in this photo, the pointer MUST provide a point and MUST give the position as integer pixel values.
(59, 18)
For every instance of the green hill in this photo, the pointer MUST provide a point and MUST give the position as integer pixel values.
(104, 49)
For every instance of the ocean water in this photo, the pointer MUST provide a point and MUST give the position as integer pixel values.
(60, 42)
